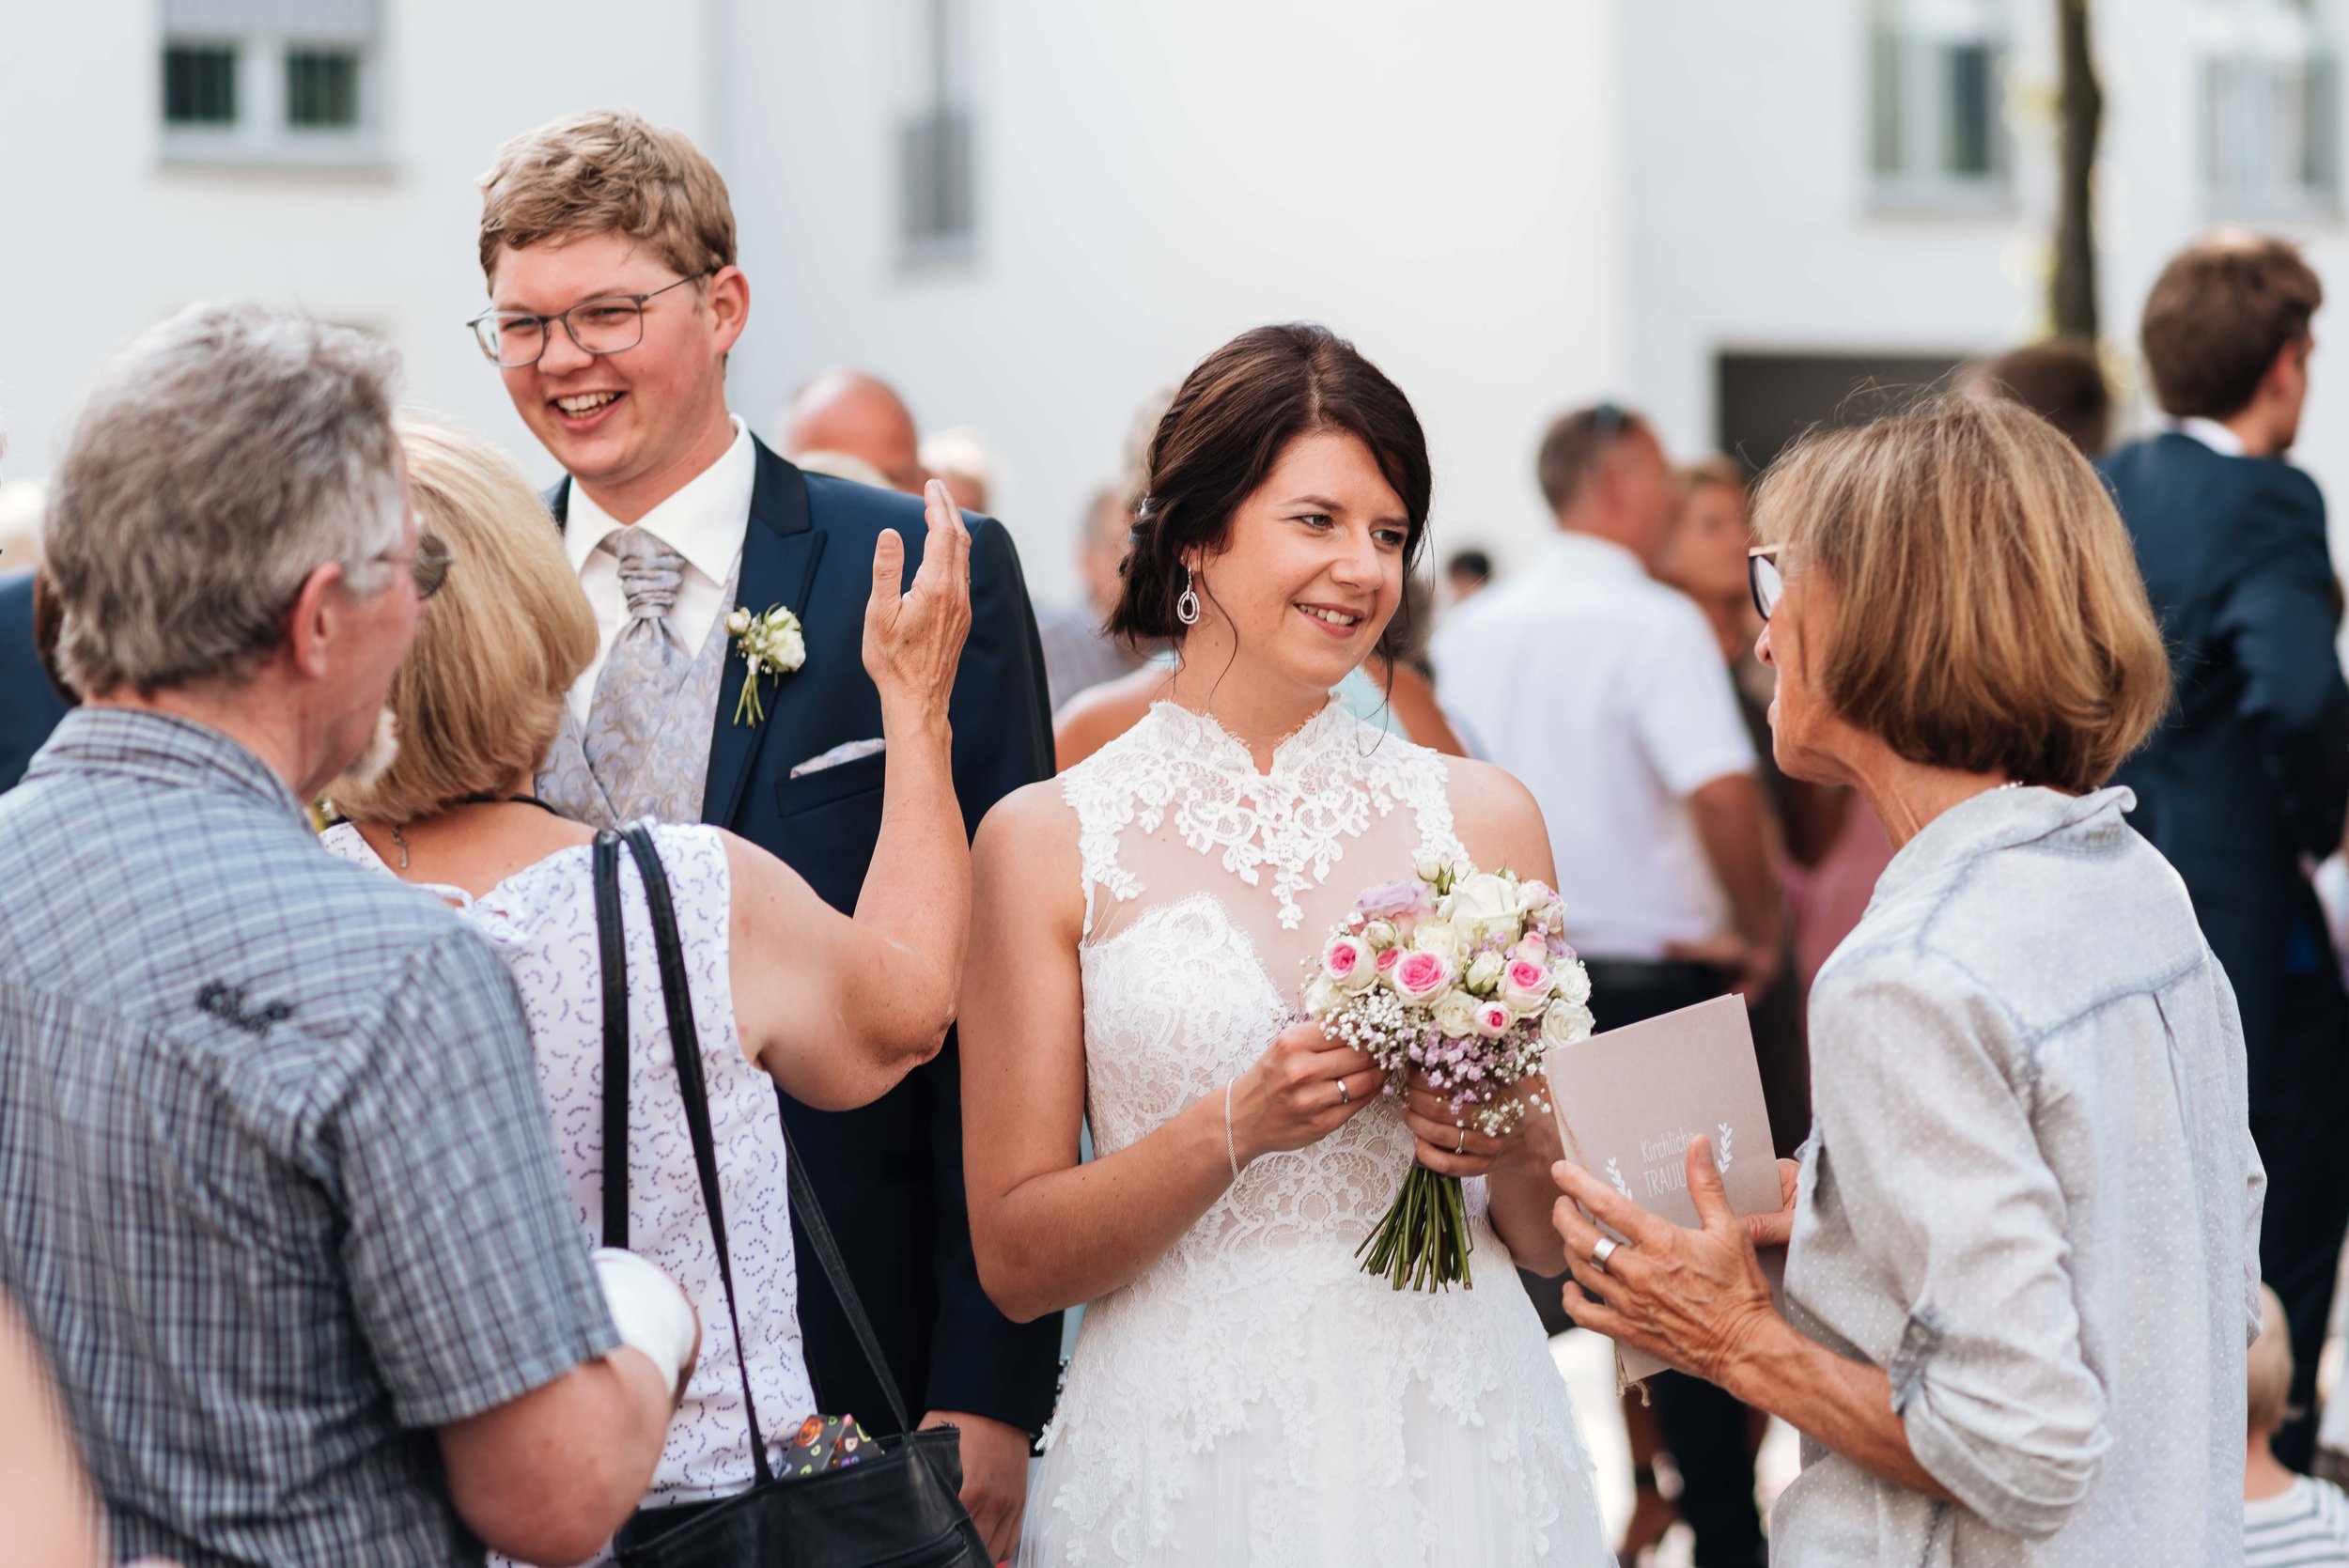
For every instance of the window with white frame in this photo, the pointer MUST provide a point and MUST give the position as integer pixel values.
(1936, 102)
(937, 169)
(2270, 96)
(294, 82)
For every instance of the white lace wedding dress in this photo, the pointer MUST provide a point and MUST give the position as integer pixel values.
(1252, 1397)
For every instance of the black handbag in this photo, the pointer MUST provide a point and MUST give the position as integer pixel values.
(898, 1507)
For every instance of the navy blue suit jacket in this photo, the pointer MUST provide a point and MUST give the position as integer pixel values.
(29, 706)
(890, 1174)
(2249, 770)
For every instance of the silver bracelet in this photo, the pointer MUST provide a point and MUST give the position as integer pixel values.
(1231, 1145)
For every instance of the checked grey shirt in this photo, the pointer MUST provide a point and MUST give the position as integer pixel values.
(277, 1189)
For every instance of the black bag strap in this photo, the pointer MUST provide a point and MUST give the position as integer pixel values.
(685, 1044)
(613, 944)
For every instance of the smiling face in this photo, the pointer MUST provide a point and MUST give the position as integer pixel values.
(1310, 570)
(631, 427)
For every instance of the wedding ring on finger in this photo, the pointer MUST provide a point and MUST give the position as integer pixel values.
(1461, 1147)
(1605, 1250)
(1346, 1095)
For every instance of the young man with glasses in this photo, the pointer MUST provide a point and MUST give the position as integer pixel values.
(608, 245)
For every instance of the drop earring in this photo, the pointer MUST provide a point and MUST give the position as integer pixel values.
(1187, 606)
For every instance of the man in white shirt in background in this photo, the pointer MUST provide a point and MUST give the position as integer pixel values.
(1605, 692)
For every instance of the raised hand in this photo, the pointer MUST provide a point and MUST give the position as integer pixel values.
(913, 640)
(1300, 1092)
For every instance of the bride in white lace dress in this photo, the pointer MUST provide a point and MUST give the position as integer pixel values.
(1241, 1392)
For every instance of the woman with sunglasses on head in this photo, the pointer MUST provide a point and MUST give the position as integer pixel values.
(785, 990)
(2022, 1263)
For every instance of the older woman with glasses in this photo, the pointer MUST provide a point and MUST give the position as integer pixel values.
(2023, 1263)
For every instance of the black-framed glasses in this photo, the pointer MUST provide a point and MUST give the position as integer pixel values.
(1762, 576)
(608, 324)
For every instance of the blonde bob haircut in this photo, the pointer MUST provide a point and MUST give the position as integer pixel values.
(1990, 615)
(479, 697)
(2267, 1369)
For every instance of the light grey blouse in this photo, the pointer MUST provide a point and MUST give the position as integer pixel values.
(2030, 1197)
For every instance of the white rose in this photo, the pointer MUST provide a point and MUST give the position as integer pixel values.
(1566, 1023)
(1322, 997)
(1573, 982)
(1483, 972)
(1428, 869)
(1456, 1015)
(1379, 935)
(1439, 939)
(1486, 899)
(738, 620)
(789, 649)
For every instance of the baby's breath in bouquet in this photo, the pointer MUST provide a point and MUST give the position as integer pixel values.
(1464, 975)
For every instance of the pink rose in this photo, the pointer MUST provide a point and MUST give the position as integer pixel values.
(1419, 975)
(1525, 985)
(1348, 964)
(1493, 1019)
(1388, 957)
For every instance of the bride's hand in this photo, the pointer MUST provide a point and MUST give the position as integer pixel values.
(1446, 1141)
(1300, 1092)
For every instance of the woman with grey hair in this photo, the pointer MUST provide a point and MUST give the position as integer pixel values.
(2023, 1263)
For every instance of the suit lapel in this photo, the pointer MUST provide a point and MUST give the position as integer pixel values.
(780, 549)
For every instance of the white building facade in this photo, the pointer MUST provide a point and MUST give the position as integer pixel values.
(1033, 215)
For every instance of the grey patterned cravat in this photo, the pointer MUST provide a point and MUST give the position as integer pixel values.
(646, 664)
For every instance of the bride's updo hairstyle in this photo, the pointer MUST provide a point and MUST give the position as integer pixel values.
(1219, 440)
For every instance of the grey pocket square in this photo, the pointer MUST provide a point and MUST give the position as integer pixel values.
(847, 752)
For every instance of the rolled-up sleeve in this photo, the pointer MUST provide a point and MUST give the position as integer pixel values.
(1921, 1090)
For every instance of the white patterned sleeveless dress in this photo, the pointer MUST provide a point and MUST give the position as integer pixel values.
(1252, 1397)
(542, 922)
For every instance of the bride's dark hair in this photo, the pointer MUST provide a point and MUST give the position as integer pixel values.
(1218, 439)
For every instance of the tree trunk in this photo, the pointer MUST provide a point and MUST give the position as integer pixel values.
(2081, 104)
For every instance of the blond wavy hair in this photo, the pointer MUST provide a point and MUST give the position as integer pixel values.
(479, 697)
(1991, 614)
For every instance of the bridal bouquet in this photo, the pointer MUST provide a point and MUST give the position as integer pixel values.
(1466, 976)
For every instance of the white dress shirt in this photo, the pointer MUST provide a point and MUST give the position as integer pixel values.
(1606, 693)
(702, 521)
(2218, 436)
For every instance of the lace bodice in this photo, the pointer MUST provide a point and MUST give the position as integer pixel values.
(1256, 1341)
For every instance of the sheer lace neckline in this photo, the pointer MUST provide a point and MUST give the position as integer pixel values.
(1204, 736)
(1186, 772)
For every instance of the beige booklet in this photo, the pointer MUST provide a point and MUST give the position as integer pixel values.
(1630, 1102)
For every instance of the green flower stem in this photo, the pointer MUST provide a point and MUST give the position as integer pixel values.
(1423, 1241)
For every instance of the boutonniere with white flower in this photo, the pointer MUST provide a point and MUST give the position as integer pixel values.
(769, 644)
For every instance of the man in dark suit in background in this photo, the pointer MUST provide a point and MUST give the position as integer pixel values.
(2246, 783)
(29, 706)
(608, 246)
